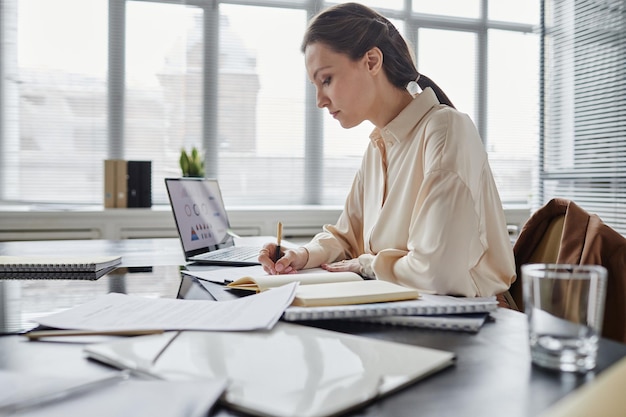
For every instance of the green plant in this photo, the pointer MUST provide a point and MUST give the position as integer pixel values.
(192, 164)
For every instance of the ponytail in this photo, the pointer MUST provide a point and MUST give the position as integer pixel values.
(425, 82)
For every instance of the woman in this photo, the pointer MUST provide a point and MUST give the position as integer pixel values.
(423, 210)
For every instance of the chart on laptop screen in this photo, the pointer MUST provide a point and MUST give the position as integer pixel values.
(200, 213)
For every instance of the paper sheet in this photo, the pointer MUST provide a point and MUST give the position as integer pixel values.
(127, 398)
(224, 275)
(115, 311)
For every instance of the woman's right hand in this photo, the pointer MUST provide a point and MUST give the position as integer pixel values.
(289, 262)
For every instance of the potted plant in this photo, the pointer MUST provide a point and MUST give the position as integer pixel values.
(192, 164)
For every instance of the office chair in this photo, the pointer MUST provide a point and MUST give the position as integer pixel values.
(562, 232)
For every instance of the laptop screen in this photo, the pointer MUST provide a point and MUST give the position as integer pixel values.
(199, 213)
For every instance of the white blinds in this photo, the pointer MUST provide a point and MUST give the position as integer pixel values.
(584, 137)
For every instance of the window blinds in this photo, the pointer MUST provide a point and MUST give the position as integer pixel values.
(584, 118)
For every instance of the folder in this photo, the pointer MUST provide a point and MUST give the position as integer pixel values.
(292, 370)
(110, 196)
(121, 186)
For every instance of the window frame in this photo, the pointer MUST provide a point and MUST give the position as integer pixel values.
(314, 140)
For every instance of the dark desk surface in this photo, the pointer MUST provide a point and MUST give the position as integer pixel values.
(493, 375)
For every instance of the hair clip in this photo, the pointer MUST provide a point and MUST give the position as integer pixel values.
(413, 87)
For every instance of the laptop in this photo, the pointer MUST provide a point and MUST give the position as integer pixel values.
(203, 225)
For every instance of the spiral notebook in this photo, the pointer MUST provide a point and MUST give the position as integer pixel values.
(426, 305)
(57, 267)
(470, 323)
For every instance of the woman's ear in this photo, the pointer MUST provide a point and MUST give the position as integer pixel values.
(374, 60)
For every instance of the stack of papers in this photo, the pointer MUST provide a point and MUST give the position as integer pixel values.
(121, 312)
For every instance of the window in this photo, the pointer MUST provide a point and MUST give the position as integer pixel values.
(141, 79)
(512, 108)
(460, 47)
(459, 8)
(53, 117)
(584, 146)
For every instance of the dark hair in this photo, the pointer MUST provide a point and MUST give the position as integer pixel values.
(353, 29)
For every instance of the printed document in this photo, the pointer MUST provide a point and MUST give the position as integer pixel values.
(121, 312)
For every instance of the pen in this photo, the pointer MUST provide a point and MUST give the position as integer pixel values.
(62, 394)
(279, 237)
(35, 335)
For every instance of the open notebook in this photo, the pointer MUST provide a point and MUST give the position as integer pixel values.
(293, 370)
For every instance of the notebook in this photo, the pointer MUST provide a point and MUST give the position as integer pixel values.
(57, 267)
(471, 322)
(58, 274)
(426, 305)
(203, 225)
(57, 263)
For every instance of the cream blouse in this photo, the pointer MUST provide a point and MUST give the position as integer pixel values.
(424, 210)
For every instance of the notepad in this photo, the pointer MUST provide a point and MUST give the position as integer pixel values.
(351, 292)
(329, 288)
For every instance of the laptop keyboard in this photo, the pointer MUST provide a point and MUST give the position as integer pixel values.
(233, 253)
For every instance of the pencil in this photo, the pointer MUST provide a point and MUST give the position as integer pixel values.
(279, 237)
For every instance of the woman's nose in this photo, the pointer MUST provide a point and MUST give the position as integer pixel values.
(322, 100)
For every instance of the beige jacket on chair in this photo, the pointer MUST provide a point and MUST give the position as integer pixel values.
(585, 239)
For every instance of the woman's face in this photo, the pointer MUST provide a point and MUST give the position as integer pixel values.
(344, 87)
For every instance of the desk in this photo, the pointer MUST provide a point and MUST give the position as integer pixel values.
(135, 252)
(493, 375)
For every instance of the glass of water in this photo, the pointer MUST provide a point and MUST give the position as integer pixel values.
(565, 308)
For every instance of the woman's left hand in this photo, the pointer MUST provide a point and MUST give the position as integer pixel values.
(351, 265)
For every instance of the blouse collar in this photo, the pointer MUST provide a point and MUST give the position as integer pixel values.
(404, 123)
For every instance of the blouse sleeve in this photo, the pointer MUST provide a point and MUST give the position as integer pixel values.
(342, 240)
(444, 243)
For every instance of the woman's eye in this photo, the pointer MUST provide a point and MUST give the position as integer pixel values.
(326, 81)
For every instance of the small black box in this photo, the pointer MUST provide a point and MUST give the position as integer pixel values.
(139, 181)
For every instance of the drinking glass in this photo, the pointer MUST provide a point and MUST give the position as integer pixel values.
(565, 307)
